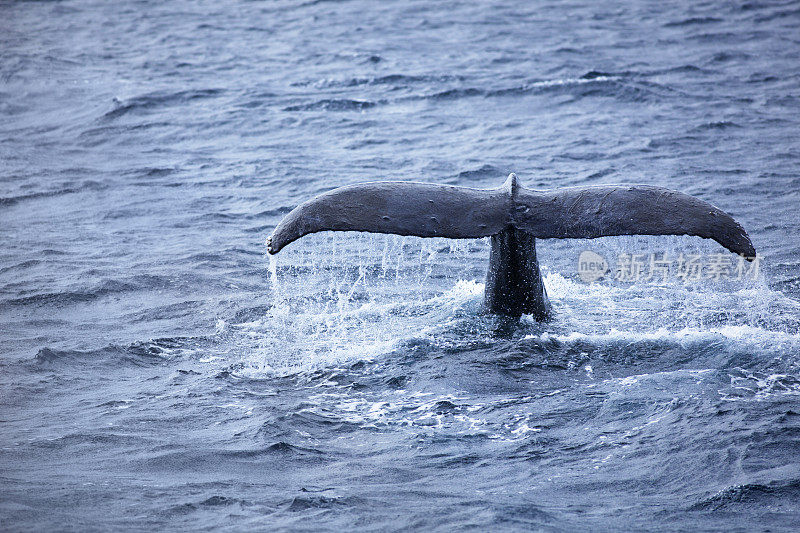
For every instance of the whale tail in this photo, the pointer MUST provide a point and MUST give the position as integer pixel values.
(430, 210)
(514, 217)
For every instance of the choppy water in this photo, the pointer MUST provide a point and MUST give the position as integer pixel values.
(158, 371)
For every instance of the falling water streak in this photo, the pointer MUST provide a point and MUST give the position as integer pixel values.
(273, 273)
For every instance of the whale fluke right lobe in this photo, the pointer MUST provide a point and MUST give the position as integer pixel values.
(607, 210)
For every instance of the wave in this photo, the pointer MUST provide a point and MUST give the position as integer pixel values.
(180, 461)
(333, 105)
(624, 86)
(23, 265)
(727, 56)
(485, 171)
(781, 14)
(457, 93)
(87, 185)
(682, 69)
(398, 80)
(140, 353)
(719, 125)
(157, 99)
(751, 494)
(211, 502)
(104, 288)
(306, 503)
(692, 22)
(105, 439)
(539, 86)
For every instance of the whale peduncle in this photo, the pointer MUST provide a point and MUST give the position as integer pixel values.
(514, 285)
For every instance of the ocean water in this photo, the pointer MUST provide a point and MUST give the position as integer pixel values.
(158, 371)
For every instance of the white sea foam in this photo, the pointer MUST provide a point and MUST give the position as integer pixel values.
(744, 333)
(358, 297)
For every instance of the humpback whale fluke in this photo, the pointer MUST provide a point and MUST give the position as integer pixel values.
(514, 217)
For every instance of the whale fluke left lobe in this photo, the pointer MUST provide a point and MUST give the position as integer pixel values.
(399, 207)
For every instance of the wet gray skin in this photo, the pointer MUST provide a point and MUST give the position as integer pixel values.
(514, 217)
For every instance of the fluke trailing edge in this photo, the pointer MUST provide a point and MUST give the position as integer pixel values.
(514, 217)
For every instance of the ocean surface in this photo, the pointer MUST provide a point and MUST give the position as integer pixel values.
(160, 372)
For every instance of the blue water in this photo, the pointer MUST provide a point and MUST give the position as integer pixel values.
(159, 372)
